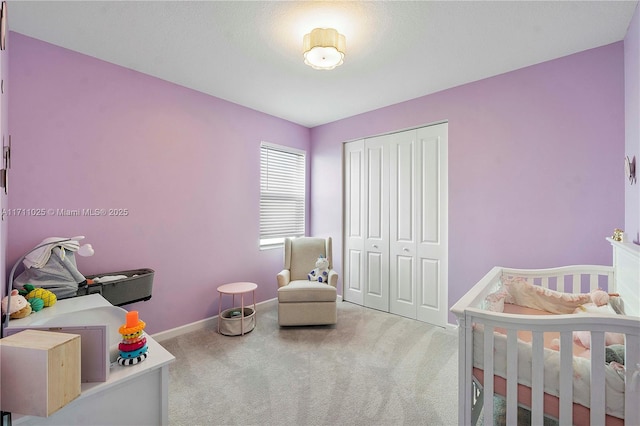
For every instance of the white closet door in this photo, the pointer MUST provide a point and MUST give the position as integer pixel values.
(376, 220)
(402, 194)
(432, 225)
(353, 280)
(395, 223)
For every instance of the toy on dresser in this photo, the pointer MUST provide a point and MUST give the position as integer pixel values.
(133, 348)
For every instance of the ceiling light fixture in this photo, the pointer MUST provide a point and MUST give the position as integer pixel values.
(323, 48)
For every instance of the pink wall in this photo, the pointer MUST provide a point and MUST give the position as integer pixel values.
(534, 164)
(632, 123)
(89, 134)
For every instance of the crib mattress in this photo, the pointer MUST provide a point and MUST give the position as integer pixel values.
(581, 365)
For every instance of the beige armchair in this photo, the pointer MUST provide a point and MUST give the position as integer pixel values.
(300, 301)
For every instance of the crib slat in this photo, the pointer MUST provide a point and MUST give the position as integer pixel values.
(488, 375)
(597, 379)
(537, 378)
(512, 377)
(611, 283)
(632, 379)
(576, 283)
(593, 282)
(465, 358)
(562, 281)
(566, 380)
(544, 282)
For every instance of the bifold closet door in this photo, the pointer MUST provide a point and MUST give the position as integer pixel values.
(376, 220)
(353, 220)
(402, 191)
(366, 222)
(432, 257)
(418, 224)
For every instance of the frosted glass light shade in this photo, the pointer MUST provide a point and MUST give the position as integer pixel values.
(324, 48)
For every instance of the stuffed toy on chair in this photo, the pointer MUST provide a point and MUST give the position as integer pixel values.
(321, 272)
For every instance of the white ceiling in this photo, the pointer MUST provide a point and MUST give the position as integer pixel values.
(250, 52)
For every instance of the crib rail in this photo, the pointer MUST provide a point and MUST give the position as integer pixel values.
(564, 325)
(568, 279)
(565, 279)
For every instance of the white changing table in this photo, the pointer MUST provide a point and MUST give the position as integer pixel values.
(132, 395)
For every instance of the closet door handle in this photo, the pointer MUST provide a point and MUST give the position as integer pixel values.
(375, 246)
(405, 249)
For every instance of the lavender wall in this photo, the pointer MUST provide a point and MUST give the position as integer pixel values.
(534, 164)
(534, 171)
(632, 124)
(89, 134)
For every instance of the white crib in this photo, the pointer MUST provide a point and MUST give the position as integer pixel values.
(475, 397)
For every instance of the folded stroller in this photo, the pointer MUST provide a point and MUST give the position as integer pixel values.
(59, 274)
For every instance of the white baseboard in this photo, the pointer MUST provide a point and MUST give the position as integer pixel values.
(210, 323)
(451, 327)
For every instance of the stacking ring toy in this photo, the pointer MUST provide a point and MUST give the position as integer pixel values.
(132, 336)
(126, 330)
(130, 347)
(133, 346)
(135, 339)
(134, 354)
(132, 361)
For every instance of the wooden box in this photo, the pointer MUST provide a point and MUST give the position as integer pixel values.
(39, 372)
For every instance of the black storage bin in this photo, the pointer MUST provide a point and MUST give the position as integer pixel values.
(135, 288)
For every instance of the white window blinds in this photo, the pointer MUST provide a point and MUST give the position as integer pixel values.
(282, 193)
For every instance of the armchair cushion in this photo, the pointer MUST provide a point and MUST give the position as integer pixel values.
(306, 291)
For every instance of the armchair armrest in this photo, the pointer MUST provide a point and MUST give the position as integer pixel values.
(333, 278)
(284, 277)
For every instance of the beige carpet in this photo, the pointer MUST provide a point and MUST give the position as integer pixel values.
(372, 368)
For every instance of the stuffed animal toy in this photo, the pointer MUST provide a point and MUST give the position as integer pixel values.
(48, 297)
(19, 308)
(599, 305)
(36, 304)
(599, 297)
(321, 272)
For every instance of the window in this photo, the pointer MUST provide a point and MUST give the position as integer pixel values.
(282, 193)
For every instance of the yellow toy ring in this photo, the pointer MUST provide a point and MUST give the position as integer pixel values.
(134, 336)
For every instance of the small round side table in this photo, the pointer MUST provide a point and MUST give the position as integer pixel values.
(237, 288)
